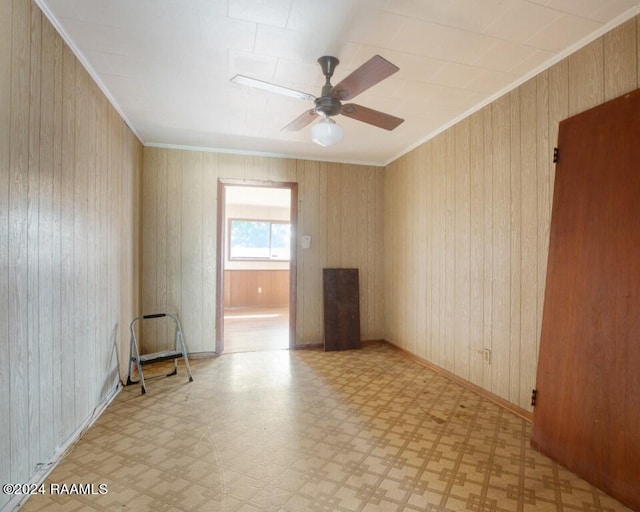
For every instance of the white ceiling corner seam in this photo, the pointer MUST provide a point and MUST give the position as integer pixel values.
(85, 63)
(625, 16)
(289, 156)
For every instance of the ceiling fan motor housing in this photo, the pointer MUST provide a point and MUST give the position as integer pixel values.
(328, 105)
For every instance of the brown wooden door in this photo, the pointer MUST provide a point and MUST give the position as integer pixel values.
(587, 414)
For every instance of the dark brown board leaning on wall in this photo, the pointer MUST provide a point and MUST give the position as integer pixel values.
(341, 308)
(587, 412)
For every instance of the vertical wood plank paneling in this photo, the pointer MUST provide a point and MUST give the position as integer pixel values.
(321, 251)
(105, 350)
(405, 271)
(421, 207)
(376, 248)
(309, 219)
(388, 267)
(150, 203)
(112, 254)
(114, 231)
(586, 77)
(348, 215)
(476, 248)
(6, 20)
(168, 257)
(364, 182)
(56, 269)
(379, 299)
(529, 257)
(18, 236)
(449, 247)
(191, 228)
(316, 178)
(46, 260)
(516, 250)
(129, 242)
(439, 240)
(407, 316)
(462, 284)
(99, 247)
(80, 241)
(300, 252)
(620, 60)
(500, 332)
(94, 379)
(487, 114)
(363, 249)
(210, 206)
(333, 227)
(388, 235)
(159, 330)
(33, 221)
(427, 194)
(414, 342)
(137, 239)
(161, 227)
(545, 184)
(403, 257)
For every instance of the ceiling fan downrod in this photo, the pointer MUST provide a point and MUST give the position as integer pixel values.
(326, 104)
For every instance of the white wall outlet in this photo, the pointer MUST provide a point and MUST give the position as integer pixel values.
(306, 241)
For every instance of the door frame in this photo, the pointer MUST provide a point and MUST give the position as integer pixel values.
(293, 262)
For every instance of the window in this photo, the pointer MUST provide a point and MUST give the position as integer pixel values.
(259, 240)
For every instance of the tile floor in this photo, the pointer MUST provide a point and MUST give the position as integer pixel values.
(366, 430)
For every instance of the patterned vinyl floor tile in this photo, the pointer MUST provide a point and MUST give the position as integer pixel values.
(354, 431)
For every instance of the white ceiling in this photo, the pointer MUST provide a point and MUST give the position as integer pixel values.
(166, 64)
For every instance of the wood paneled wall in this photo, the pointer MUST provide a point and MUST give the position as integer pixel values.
(339, 205)
(256, 288)
(466, 222)
(69, 202)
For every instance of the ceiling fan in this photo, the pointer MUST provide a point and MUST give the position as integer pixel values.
(330, 102)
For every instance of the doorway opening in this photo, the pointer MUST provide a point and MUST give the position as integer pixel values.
(256, 266)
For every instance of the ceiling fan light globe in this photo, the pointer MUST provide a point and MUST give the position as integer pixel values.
(326, 132)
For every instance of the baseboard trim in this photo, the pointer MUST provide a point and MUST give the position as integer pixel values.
(320, 346)
(202, 355)
(309, 346)
(505, 404)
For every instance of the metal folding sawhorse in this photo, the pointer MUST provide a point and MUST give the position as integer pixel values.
(137, 360)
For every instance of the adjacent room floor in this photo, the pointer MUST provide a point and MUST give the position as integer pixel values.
(363, 430)
(250, 329)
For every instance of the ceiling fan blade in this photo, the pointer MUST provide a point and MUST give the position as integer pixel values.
(301, 121)
(370, 73)
(370, 116)
(268, 86)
